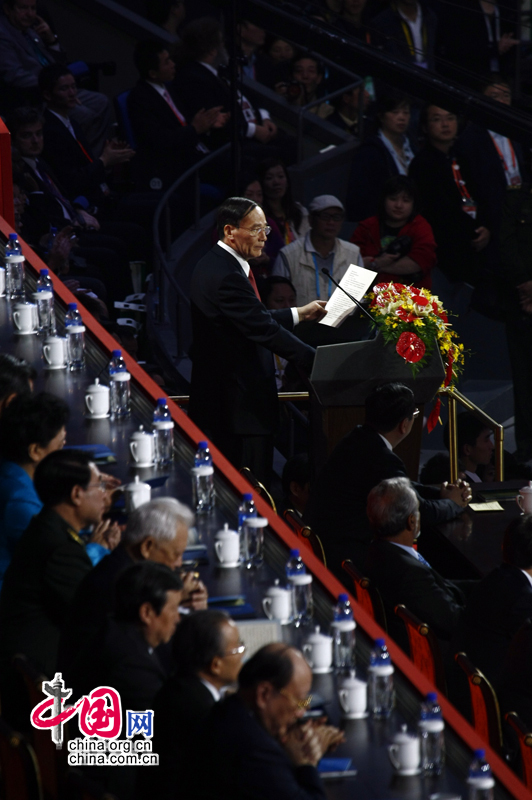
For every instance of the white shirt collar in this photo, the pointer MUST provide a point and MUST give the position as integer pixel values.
(387, 443)
(473, 477)
(411, 550)
(158, 88)
(244, 264)
(527, 575)
(212, 689)
(65, 120)
(210, 68)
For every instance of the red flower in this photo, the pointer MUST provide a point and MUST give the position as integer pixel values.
(421, 300)
(405, 315)
(410, 347)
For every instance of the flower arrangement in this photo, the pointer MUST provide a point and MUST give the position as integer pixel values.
(415, 321)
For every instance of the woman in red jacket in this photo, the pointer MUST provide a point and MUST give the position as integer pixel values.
(398, 242)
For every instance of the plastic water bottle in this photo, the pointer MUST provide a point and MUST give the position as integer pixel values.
(44, 282)
(295, 564)
(72, 316)
(480, 780)
(380, 681)
(76, 347)
(119, 386)
(44, 299)
(116, 364)
(343, 633)
(203, 480)
(431, 727)
(203, 456)
(164, 432)
(14, 263)
(246, 510)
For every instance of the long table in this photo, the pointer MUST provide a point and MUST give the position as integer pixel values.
(366, 739)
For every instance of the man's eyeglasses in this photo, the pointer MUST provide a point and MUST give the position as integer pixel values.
(300, 705)
(255, 231)
(101, 485)
(240, 650)
(325, 217)
(415, 413)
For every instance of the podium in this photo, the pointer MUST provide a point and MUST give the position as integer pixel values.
(342, 377)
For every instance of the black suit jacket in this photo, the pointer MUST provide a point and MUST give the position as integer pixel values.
(514, 688)
(91, 604)
(164, 147)
(47, 567)
(180, 708)
(120, 657)
(246, 761)
(389, 35)
(337, 510)
(401, 578)
(233, 386)
(476, 145)
(78, 174)
(497, 608)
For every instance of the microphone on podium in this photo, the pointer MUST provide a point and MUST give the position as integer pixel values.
(353, 299)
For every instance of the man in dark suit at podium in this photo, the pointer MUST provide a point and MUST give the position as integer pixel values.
(233, 395)
(364, 458)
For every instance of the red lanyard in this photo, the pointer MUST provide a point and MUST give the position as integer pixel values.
(460, 183)
(497, 148)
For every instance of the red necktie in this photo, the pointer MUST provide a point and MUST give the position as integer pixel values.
(253, 282)
(170, 102)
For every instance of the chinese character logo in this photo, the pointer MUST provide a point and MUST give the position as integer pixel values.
(139, 722)
(100, 713)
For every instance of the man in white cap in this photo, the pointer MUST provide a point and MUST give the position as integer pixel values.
(302, 261)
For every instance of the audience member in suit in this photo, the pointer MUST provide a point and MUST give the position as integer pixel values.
(16, 378)
(450, 199)
(48, 564)
(499, 605)
(495, 162)
(27, 44)
(365, 457)
(398, 571)
(98, 254)
(233, 395)
(123, 653)
(381, 156)
(31, 427)
(156, 531)
(208, 655)
(514, 690)
(199, 85)
(166, 145)
(80, 169)
(256, 748)
(407, 31)
(257, 66)
(476, 39)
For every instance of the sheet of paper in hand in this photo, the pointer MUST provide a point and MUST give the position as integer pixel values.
(356, 282)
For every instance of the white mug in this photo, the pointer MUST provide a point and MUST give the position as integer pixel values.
(142, 446)
(97, 399)
(136, 494)
(227, 547)
(404, 752)
(24, 315)
(2, 281)
(278, 603)
(524, 499)
(53, 350)
(353, 697)
(318, 652)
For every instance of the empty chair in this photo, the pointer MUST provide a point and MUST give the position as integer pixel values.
(305, 534)
(367, 594)
(18, 766)
(524, 737)
(424, 648)
(484, 704)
